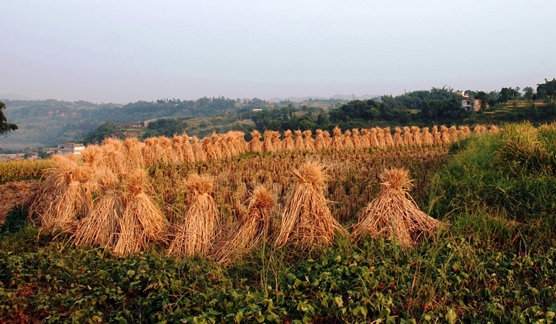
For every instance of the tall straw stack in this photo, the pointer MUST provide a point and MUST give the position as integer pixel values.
(347, 140)
(365, 138)
(101, 226)
(394, 213)
(373, 137)
(416, 136)
(255, 144)
(307, 220)
(356, 138)
(320, 142)
(298, 140)
(327, 139)
(398, 141)
(337, 141)
(380, 137)
(64, 196)
(309, 141)
(288, 144)
(142, 220)
(428, 138)
(132, 150)
(388, 141)
(195, 234)
(187, 150)
(251, 230)
(268, 145)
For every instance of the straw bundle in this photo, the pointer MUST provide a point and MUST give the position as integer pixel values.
(373, 137)
(445, 137)
(347, 141)
(394, 213)
(397, 138)
(380, 137)
(198, 152)
(337, 141)
(187, 149)
(436, 135)
(195, 234)
(92, 155)
(252, 229)
(132, 150)
(102, 224)
(142, 221)
(388, 141)
(356, 138)
(255, 144)
(407, 137)
(226, 148)
(416, 136)
(320, 142)
(276, 142)
(306, 220)
(298, 140)
(365, 138)
(113, 157)
(64, 196)
(211, 151)
(149, 152)
(327, 139)
(479, 129)
(268, 145)
(288, 144)
(428, 138)
(309, 141)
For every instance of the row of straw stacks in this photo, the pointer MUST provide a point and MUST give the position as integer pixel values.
(182, 148)
(106, 200)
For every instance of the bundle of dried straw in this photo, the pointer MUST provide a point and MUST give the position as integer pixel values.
(394, 213)
(194, 236)
(307, 220)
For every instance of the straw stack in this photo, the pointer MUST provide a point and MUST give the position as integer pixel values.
(195, 234)
(394, 213)
(251, 230)
(307, 220)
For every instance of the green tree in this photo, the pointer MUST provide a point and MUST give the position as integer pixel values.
(528, 93)
(4, 125)
(547, 91)
(105, 130)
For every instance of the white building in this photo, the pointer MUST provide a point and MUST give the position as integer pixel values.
(68, 148)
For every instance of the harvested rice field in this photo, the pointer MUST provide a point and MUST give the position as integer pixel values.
(353, 226)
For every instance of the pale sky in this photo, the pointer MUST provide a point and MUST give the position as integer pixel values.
(125, 51)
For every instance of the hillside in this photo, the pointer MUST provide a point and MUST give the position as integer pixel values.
(47, 123)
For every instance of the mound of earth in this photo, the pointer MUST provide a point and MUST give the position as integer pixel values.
(14, 194)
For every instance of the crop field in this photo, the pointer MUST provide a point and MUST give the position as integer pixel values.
(390, 225)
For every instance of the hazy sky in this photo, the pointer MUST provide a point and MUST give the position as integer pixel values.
(123, 51)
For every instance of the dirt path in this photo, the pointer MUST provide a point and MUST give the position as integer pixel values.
(13, 194)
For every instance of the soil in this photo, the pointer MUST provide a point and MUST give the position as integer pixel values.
(15, 194)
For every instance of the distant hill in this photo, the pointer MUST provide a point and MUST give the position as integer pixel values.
(337, 97)
(47, 123)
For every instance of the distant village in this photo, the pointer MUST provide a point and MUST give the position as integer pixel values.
(66, 148)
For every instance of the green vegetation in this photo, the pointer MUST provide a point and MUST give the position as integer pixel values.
(4, 125)
(495, 263)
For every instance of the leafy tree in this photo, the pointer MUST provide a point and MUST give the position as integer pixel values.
(4, 125)
(166, 127)
(547, 91)
(528, 93)
(105, 130)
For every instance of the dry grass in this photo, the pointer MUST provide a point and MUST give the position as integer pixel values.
(254, 227)
(394, 213)
(307, 220)
(195, 234)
